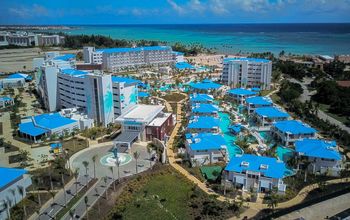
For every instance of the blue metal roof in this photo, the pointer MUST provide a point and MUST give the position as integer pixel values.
(143, 94)
(19, 76)
(205, 85)
(271, 112)
(256, 60)
(201, 98)
(65, 57)
(318, 148)
(55, 145)
(259, 100)
(127, 80)
(184, 65)
(30, 129)
(236, 128)
(203, 122)
(8, 175)
(52, 120)
(74, 73)
(267, 166)
(241, 92)
(135, 49)
(294, 127)
(205, 141)
(5, 99)
(204, 108)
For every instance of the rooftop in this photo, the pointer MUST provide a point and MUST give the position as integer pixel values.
(74, 72)
(141, 113)
(259, 100)
(205, 85)
(267, 166)
(143, 94)
(52, 120)
(204, 108)
(126, 80)
(31, 129)
(294, 127)
(255, 60)
(318, 148)
(271, 112)
(8, 175)
(201, 98)
(65, 57)
(203, 122)
(19, 76)
(241, 92)
(133, 49)
(5, 99)
(205, 141)
(159, 121)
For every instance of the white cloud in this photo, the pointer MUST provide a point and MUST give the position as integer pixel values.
(176, 7)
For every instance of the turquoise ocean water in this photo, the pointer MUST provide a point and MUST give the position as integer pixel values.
(232, 38)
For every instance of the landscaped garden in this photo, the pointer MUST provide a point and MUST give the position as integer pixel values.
(166, 194)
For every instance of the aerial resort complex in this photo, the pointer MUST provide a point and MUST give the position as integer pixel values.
(102, 127)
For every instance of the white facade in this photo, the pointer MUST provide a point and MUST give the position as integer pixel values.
(116, 59)
(247, 72)
(125, 96)
(25, 39)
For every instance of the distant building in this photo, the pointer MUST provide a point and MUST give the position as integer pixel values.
(26, 39)
(247, 72)
(117, 59)
(206, 124)
(343, 58)
(10, 182)
(288, 132)
(324, 156)
(15, 80)
(205, 148)
(344, 83)
(178, 56)
(326, 58)
(256, 172)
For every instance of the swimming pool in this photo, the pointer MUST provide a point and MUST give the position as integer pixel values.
(283, 153)
(232, 148)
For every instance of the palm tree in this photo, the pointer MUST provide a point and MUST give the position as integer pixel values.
(94, 161)
(21, 191)
(105, 181)
(149, 151)
(13, 192)
(71, 213)
(136, 156)
(76, 174)
(112, 171)
(64, 190)
(36, 186)
(86, 164)
(52, 194)
(117, 162)
(86, 200)
(50, 175)
(98, 201)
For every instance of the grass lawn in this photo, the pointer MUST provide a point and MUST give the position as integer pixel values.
(275, 98)
(174, 97)
(74, 145)
(340, 118)
(265, 92)
(168, 195)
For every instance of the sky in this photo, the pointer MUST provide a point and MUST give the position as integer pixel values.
(173, 11)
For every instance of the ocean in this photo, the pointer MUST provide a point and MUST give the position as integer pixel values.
(326, 39)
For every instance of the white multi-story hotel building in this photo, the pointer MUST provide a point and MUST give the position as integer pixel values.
(247, 72)
(116, 59)
(25, 39)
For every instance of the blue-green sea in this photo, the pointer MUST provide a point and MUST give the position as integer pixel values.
(232, 38)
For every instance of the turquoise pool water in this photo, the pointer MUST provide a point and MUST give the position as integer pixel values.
(225, 122)
(284, 153)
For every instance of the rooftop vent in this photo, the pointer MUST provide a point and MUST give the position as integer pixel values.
(264, 167)
(245, 164)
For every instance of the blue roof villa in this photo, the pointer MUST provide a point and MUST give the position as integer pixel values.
(204, 148)
(205, 86)
(10, 180)
(290, 131)
(267, 115)
(203, 124)
(323, 156)
(257, 172)
(6, 101)
(257, 102)
(239, 95)
(203, 109)
(35, 127)
(201, 98)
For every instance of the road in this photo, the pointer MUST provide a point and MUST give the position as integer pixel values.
(50, 211)
(321, 114)
(321, 210)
